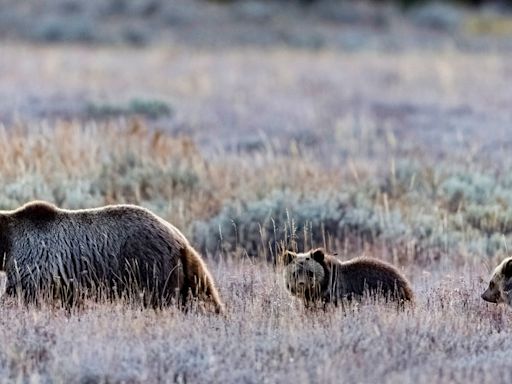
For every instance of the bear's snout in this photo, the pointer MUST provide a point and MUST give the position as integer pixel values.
(489, 296)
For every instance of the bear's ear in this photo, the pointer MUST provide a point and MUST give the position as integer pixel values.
(507, 268)
(318, 255)
(288, 257)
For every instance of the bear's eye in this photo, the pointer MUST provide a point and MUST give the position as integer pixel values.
(491, 285)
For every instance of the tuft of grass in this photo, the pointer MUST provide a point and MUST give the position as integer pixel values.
(150, 108)
(258, 227)
(65, 30)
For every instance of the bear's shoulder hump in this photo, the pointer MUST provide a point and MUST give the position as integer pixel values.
(36, 210)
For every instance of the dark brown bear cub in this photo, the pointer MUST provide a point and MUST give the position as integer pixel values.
(315, 276)
(109, 252)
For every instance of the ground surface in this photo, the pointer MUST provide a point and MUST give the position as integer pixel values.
(400, 151)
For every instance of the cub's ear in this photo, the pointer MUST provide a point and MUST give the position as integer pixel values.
(288, 257)
(507, 268)
(318, 255)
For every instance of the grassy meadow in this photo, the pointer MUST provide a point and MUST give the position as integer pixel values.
(400, 153)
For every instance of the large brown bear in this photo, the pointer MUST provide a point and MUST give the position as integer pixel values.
(315, 276)
(103, 253)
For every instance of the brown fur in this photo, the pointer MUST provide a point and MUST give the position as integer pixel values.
(112, 251)
(500, 286)
(316, 276)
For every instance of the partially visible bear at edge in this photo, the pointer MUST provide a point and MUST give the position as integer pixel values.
(500, 285)
(114, 251)
(318, 277)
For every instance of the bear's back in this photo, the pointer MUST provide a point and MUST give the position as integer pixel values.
(362, 274)
(44, 236)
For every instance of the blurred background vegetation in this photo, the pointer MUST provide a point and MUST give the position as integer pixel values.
(204, 23)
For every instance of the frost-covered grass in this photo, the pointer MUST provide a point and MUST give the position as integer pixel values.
(267, 336)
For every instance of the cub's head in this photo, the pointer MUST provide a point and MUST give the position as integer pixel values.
(500, 286)
(305, 273)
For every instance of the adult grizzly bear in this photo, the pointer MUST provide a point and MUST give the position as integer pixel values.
(315, 276)
(500, 286)
(108, 252)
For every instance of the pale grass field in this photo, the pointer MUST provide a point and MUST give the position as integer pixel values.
(403, 156)
(449, 336)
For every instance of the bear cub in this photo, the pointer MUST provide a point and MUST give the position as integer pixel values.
(500, 286)
(316, 276)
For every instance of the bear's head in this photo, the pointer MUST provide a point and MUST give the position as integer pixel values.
(305, 273)
(500, 286)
